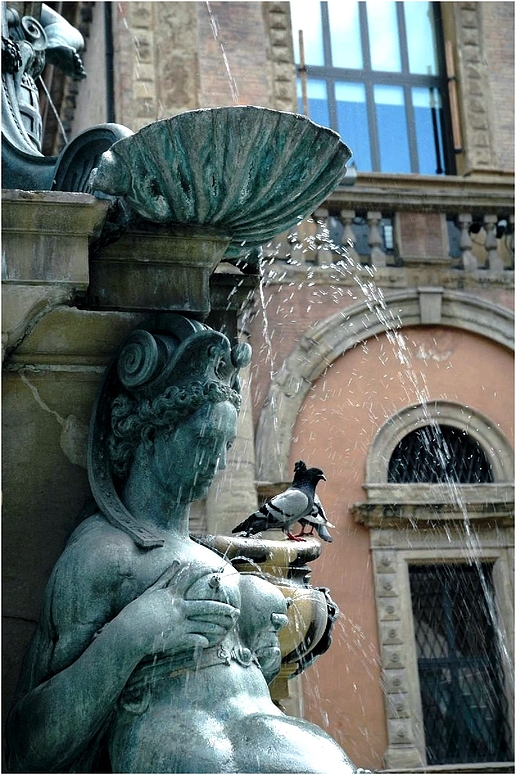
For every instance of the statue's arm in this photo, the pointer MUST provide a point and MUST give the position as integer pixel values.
(78, 663)
(87, 646)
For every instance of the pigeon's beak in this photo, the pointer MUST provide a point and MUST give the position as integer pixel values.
(322, 476)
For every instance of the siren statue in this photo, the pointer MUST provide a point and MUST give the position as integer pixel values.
(153, 654)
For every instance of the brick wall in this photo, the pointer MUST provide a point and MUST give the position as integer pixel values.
(497, 31)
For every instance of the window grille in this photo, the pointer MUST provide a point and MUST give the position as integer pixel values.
(465, 712)
(439, 453)
(376, 73)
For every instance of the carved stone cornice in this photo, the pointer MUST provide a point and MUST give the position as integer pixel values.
(430, 515)
(426, 193)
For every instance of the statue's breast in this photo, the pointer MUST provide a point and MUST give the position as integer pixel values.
(222, 585)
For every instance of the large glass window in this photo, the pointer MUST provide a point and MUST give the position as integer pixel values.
(374, 71)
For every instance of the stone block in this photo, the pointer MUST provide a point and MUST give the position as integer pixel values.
(397, 706)
(430, 305)
(400, 731)
(395, 681)
(421, 237)
(45, 236)
(156, 270)
(393, 657)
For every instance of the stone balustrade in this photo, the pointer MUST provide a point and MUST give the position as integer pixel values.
(410, 221)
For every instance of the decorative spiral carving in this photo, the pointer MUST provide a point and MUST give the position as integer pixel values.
(34, 33)
(139, 360)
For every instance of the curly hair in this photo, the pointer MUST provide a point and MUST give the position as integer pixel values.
(132, 420)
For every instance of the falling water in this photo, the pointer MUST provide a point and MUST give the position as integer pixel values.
(342, 266)
(214, 28)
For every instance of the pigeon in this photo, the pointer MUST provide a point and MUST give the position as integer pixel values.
(286, 508)
(317, 519)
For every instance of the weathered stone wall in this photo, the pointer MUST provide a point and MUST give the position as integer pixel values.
(172, 57)
(484, 54)
(497, 26)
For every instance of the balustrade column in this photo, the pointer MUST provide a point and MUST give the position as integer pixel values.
(322, 236)
(469, 260)
(494, 261)
(348, 235)
(378, 257)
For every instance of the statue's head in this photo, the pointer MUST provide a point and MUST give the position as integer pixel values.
(173, 386)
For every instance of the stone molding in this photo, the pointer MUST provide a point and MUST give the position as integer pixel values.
(386, 191)
(393, 551)
(332, 337)
(280, 55)
(135, 68)
(474, 86)
(477, 425)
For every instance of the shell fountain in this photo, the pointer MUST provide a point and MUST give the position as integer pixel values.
(247, 172)
(219, 182)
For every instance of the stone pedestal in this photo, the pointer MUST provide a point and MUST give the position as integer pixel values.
(45, 236)
(157, 269)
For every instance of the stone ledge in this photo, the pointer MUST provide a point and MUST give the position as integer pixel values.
(46, 235)
(396, 515)
(433, 495)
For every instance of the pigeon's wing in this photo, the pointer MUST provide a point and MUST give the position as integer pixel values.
(288, 506)
(255, 523)
(318, 515)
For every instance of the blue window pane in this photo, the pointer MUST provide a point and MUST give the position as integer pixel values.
(384, 39)
(392, 129)
(427, 117)
(346, 43)
(306, 16)
(421, 42)
(317, 100)
(352, 122)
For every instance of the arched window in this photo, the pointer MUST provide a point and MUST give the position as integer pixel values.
(439, 453)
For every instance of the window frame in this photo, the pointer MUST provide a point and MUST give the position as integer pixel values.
(370, 78)
(397, 515)
(452, 661)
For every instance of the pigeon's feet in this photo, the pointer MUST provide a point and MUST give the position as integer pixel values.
(295, 538)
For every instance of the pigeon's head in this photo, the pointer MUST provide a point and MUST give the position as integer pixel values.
(304, 474)
(316, 474)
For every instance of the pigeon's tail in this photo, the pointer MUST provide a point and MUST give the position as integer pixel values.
(255, 523)
(323, 533)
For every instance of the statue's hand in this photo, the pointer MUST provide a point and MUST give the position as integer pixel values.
(162, 620)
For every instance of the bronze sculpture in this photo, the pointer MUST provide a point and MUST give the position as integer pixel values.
(152, 653)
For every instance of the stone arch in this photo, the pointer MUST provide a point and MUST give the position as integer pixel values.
(332, 337)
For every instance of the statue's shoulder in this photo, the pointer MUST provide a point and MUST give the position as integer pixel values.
(97, 549)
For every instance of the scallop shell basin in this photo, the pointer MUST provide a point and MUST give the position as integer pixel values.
(246, 172)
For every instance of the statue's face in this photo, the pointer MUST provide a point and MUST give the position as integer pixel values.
(186, 460)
